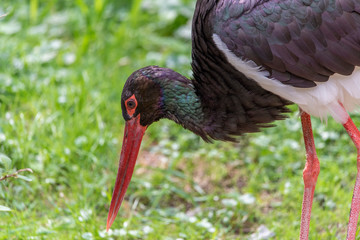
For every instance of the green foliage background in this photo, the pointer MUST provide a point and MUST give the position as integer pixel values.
(62, 68)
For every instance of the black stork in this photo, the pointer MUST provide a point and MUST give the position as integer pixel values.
(250, 59)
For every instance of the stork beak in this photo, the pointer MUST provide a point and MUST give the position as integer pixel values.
(131, 143)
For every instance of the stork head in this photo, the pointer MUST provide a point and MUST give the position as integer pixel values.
(149, 94)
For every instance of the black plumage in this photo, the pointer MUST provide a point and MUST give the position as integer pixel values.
(232, 103)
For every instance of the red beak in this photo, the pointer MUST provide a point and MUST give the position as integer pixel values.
(132, 140)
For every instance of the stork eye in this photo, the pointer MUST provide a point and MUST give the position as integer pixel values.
(131, 104)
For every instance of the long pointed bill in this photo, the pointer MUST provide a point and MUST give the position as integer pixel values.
(132, 140)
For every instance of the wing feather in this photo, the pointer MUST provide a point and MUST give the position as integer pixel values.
(298, 41)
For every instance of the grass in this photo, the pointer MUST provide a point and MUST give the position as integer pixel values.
(62, 68)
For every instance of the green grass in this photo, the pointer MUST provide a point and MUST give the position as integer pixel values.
(62, 68)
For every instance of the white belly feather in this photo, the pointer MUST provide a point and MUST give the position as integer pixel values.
(320, 101)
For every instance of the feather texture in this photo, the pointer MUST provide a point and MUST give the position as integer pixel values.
(298, 42)
(304, 51)
(232, 104)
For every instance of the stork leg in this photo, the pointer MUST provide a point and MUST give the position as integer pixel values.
(355, 203)
(310, 174)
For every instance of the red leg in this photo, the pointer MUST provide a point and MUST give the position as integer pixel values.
(355, 203)
(310, 174)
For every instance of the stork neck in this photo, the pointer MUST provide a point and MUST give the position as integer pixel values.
(181, 104)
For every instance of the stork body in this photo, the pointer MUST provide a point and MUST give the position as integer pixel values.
(251, 58)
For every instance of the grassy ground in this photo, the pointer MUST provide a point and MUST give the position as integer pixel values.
(62, 68)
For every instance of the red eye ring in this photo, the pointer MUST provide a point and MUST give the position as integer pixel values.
(131, 104)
